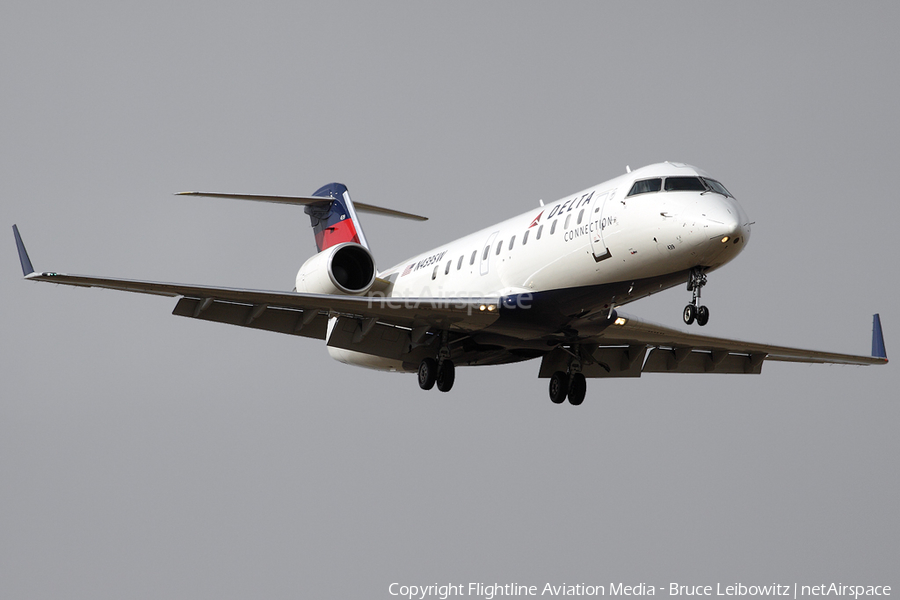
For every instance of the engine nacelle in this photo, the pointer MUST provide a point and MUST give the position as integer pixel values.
(346, 268)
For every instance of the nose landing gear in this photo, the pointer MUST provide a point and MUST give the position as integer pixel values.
(693, 311)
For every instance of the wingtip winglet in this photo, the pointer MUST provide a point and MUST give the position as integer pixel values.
(27, 268)
(878, 350)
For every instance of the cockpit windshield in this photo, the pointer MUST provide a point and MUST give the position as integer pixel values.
(646, 186)
(717, 187)
(684, 184)
(678, 184)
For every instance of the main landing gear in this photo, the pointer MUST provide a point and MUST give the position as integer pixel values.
(572, 385)
(694, 311)
(439, 370)
(442, 373)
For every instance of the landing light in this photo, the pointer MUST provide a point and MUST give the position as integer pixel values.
(491, 307)
(482, 307)
(620, 321)
(725, 239)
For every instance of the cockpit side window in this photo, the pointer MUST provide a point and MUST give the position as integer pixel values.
(684, 184)
(645, 186)
(717, 187)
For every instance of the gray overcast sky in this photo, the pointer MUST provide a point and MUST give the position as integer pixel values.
(148, 456)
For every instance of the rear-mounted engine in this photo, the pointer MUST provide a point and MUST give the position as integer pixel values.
(346, 268)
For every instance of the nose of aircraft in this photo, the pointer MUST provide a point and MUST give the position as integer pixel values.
(722, 223)
(720, 227)
(713, 218)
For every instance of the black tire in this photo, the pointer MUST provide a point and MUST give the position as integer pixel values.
(690, 313)
(559, 387)
(427, 373)
(577, 389)
(446, 376)
(702, 316)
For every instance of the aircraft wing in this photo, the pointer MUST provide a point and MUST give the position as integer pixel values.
(462, 314)
(291, 312)
(627, 348)
(632, 346)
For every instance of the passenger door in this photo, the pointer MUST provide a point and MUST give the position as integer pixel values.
(486, 256)
(597, 224)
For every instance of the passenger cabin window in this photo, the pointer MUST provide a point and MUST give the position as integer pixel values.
(568, 218)
(499, 246)
(553, 227)
(459, 264)
(474, 254)
(684, 184)
(512, 241)
(646, 186)
(580, 216)
(447, 268)
(486, 250)
(525, 237)
(434, 273)
(540, 231)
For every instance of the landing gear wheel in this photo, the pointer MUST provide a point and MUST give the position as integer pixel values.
(427, 373)
(577, 389)
(694, 311)
(446, 375)
(559, 386)
(702, 316)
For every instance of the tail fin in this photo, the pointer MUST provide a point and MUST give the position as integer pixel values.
(335, 221)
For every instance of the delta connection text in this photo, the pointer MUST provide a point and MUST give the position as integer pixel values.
(490, 591)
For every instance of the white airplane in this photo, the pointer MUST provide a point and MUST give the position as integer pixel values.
(545, 284)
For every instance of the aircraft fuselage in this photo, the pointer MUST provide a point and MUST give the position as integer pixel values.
(600, 236)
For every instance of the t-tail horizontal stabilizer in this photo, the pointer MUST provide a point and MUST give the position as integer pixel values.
(306, 200)
(27, 269)
(332, 214)
(878, 350)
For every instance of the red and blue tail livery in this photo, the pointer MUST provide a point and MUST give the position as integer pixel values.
(334, 221)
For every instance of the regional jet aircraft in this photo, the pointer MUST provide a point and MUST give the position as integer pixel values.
(546, 284)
